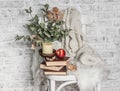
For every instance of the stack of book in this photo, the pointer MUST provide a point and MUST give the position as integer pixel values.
(55, 67)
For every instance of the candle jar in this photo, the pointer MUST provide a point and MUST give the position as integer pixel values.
(47, 47)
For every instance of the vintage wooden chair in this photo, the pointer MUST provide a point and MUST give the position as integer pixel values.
(69, 79)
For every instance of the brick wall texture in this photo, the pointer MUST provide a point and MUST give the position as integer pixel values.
(103, 34)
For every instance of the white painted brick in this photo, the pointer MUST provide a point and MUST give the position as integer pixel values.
(5, 21)
(1, 89)
(112, 0)
(14, 89)
(11, 4)
(106, 7)
(103, 34)
(60, 1)
(17, 84)
(14, 52)
(88, 1)
(116, 23)
(22, 76)
(2, 77)
(1, 84)
(117, 14)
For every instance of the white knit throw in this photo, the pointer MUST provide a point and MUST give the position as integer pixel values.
(90, 67)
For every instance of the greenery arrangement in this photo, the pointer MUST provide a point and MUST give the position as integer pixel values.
(49, 28)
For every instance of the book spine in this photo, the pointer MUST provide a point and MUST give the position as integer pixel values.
(56, 64)
(55, 73)
(51, 68)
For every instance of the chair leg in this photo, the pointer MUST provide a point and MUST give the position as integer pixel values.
(65, 84)
(99, 87)
(52, 85)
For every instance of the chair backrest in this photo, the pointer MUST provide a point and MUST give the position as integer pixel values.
(76, 38)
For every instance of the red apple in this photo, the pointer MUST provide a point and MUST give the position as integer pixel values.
(60, 53)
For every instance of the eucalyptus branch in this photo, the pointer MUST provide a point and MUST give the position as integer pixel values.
(27, 37)
(51, 29)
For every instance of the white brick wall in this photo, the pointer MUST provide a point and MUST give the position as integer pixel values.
(103, 34)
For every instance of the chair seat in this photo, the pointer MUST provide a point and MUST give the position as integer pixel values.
(62, 78)
(68, 79)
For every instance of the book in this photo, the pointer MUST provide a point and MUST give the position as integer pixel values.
(57, 62)
(54, 68)
(63, 71)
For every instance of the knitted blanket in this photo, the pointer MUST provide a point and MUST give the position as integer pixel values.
(90, 67)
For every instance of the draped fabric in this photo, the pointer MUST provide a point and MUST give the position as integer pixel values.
(90, 67)
(39, 79)
(75, 40)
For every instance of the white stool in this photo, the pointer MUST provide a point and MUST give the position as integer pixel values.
(69, 79)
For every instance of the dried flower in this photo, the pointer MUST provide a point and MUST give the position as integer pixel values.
(54, 14)
(55, 10)
(59, 16)
(49, 15)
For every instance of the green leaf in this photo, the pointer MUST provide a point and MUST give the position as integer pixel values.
(40, 33)
(47, 34)
(28, 10)
(19, 37)
(24, 38)
(42, 25)
(32, 28)
(31, 20)
(62, 32)
(43, 10)
(28, 38)
(42, 36)
(34, 20)
(46, 6)
(57, 36)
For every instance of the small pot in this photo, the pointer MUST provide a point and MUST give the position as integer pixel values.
(47, 47)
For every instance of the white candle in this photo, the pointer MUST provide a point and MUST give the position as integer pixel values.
(47, 48)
